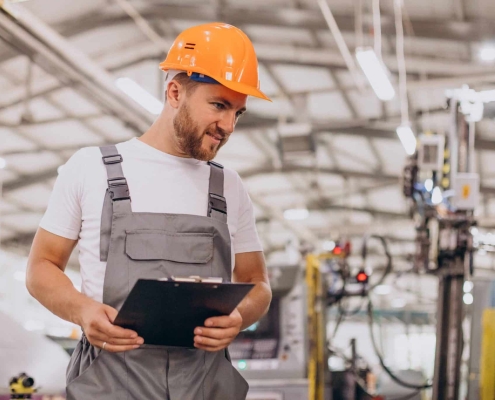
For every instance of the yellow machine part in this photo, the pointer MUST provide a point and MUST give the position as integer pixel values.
(316, 329)
(18, 388)
(487, 375)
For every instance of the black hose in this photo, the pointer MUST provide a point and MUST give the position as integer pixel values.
(388, 267)
(394, 377)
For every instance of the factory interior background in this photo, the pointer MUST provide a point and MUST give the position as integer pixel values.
(342, 159)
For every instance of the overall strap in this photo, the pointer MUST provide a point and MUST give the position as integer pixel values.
(116, 197)
(217, 205)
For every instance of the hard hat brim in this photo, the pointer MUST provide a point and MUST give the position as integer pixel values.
(235, 86)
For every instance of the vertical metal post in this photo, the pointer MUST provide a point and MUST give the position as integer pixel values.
(449, 332)
(451, 270)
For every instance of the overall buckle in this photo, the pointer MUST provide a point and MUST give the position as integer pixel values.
(217, 203)
(113, 159)
(118, 189)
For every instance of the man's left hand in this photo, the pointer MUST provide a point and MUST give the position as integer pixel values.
(218, 332)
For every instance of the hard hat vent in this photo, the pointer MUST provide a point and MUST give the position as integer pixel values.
(190, 46)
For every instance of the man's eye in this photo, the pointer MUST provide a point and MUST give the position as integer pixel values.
(238, 114)
(220, 106)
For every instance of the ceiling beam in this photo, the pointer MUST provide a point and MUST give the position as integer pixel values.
(33, 37)
(447, 29)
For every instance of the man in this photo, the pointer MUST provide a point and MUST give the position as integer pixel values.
(188, 216)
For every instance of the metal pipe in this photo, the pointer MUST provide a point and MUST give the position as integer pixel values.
(341, 44)
(55, 54)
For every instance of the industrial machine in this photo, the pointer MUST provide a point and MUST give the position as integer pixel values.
(285, 355)
(21, 387)
(273, 353)
(444, 190)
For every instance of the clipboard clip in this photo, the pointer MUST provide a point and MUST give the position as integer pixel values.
(194, 278)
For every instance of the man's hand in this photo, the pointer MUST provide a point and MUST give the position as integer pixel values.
(97, 323)
(218, 332)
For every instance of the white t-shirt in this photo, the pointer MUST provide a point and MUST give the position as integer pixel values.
(158, 182)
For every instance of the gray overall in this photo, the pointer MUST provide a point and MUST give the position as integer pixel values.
(152, 246)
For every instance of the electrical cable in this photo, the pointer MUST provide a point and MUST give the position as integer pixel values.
(388, 267)
(394, 377)
(377, 29)
(401, 62)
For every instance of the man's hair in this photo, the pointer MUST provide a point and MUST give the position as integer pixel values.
(188, 84)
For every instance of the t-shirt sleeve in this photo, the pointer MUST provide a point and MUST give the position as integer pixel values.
(63, 214)
(246, 238)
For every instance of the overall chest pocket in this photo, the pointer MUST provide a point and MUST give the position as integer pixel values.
(156, 245)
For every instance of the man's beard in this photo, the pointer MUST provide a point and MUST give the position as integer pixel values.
(190, 140)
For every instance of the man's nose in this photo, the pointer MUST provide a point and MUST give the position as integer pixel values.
(227, 123)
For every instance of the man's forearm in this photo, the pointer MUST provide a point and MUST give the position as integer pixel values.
(255, 305)
(54, 290)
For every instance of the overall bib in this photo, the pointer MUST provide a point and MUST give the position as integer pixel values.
(152, 246)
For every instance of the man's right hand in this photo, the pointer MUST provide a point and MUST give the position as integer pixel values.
(96, 320)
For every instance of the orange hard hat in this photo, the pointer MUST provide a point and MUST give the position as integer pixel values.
(217, 51)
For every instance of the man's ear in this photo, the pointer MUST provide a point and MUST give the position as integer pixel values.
(175, 91)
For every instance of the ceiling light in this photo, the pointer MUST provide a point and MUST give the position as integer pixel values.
(328, 245)
(429, 185)
(407, 138)
(376, 73)
(468, 298)
(398, 303)
(382, 290)
(296, 214)
(140, 95)
(468, 286)
(436, 196)
(3, 163)
(487, 53)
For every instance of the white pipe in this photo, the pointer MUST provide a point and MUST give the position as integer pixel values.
(341, 44)
(71, 63)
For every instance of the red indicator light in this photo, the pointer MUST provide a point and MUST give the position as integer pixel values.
(362, 277)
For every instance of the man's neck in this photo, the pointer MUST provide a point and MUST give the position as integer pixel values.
(160, 135)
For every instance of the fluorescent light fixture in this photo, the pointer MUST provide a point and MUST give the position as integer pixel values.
(398, 303)
(468, 286)
(487, 53)
(468, 298)
(328, 245)
(429, 185)
(407, 138)
(376, 73)
(296, 214)
(3, 163)
(140, 95)
(382, 290)
(436, 196)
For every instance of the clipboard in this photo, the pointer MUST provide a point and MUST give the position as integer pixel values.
(166, 312)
